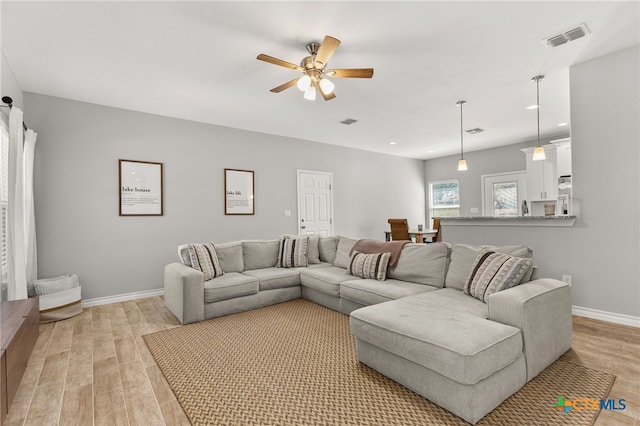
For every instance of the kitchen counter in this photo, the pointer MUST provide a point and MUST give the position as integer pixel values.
(508, 220)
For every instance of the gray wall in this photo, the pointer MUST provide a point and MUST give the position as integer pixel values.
(602, 250)
(76, 190)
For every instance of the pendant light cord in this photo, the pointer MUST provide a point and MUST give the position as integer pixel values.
(461, 135)
(538, 103)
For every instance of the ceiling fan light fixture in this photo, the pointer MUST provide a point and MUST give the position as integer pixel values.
(326, 86)
(310, 93)
(304, 83)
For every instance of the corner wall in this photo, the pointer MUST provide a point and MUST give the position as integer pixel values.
(76, 190)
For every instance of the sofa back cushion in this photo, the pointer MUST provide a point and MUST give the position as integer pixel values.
(422, 264)
(343, 252)
(327, 247)
(230, 256)
(259, 254)
(464, 255)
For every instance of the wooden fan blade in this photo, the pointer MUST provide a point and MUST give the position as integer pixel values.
(327, 97)
(276, 61)
(284, 86)
(326, 49)
(351, 73)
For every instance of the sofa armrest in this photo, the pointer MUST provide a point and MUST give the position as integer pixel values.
(184, 292)
(541, 309)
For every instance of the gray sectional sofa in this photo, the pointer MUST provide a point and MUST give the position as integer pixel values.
(417, 327)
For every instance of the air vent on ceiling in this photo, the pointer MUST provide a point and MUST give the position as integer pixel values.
(349, 121)
(476, 130)
(567, 35)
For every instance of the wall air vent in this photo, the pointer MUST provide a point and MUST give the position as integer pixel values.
(349, 121)
(567, 35)
(476, 130)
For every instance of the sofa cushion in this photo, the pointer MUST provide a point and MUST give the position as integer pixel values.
(369, 292)
(292, 252)
(422, 264)
(313, 249)
(327, 247)
(370, 266)
(343, 252)
(463, 256)
(204, 258)
(183, 254)
(230, 256)
(272, 278)
(461, 346)
(493, 272)
(258, 254)
(229, 286)
(455, 300)
(325, 280)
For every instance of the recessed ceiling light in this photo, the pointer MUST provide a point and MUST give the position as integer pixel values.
(431, 151)
(534, 106)
(562, 124)
(392, 143)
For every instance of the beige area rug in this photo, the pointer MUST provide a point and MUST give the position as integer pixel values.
(295, 364)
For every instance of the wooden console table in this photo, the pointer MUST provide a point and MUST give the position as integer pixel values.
(20, 330)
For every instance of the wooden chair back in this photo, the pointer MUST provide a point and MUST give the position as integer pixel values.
(399, 229)
(436, 226)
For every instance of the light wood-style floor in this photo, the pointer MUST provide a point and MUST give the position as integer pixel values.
(95, 369)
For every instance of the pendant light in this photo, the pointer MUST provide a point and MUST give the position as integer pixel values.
(462, 163)
(538, 153)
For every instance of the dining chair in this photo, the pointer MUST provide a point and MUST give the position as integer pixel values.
(399, 229)
(436, 227)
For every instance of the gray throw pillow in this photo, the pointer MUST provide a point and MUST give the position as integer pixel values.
(493, 272)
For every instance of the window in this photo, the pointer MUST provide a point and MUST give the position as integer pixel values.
(444, 198)
(4, 203)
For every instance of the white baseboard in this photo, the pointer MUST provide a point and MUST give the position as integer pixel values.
(122, 297)
(606, 316)
(575, 310)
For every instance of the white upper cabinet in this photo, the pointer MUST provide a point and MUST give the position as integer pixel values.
(542, 175)
(563, 154)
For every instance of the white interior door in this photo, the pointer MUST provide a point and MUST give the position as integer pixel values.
(502, 193)
(315, 203)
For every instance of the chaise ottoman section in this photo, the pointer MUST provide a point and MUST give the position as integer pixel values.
(229, 286)
(448, 351)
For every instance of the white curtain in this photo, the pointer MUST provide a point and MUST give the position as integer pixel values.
(21, 246)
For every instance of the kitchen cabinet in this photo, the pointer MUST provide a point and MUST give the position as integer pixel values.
(542, 175)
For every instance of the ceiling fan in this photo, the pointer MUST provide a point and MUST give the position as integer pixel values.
(313, 68)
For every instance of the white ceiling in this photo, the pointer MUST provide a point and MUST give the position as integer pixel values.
(197, 61)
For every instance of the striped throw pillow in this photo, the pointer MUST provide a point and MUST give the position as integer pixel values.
(293, 253)
(204, 258)
(371, 266)
(493, 272)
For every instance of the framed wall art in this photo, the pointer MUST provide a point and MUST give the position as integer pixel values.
(239, 194)
(140, 188)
